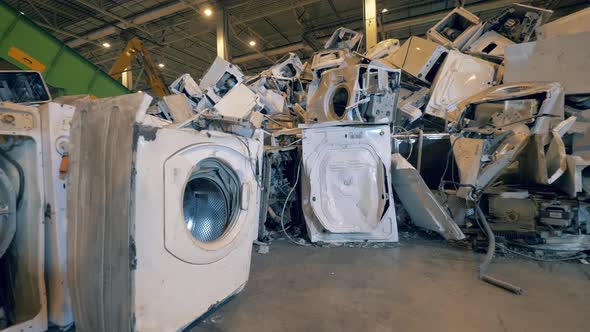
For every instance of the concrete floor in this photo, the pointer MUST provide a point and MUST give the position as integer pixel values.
(415, 286)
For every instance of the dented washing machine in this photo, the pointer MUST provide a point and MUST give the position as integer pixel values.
(346, 184)
(163, 218)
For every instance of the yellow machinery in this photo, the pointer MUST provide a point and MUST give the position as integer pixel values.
(135, 48)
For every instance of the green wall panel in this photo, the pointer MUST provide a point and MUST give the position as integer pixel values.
(65, 69)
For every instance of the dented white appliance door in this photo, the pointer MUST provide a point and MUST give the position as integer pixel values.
(460, 76)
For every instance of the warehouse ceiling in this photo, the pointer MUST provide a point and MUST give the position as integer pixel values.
(180, 36)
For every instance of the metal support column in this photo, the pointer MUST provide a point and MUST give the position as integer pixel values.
(222, 34)
(370, 19)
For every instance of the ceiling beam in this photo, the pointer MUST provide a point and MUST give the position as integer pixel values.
(392, 26)
(143, 18)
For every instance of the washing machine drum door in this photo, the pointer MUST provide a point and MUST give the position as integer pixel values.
(348, 189)
(208, 201)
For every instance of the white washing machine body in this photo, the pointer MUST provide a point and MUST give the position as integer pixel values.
(187, 184)
(20, 129)
(55, 123)
(346, 184)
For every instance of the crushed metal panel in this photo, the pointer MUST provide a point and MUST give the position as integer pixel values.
(467, 153)
(273, 101)
(511, 145)
(344, 38)
(482, 160)
(383, 49)
(555, 156)
(490, 43)
(238, 104)
(186, 85)
(460, 77)
(419, 57)
(419, 201)
(220, 78)
(410, 107)
(330, 59)
(287, 69)
(455, 29)
(550, 112)
(363, 93)
(178, 107)
(560, 60)
(568, 25)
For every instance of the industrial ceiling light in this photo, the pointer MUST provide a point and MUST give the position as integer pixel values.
(208, 12)
(106, 45)
(161, 65)
(384, 10)
(252, 43)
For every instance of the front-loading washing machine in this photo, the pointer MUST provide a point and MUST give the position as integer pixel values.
(22, 215)
(162, 219)
(346, 183)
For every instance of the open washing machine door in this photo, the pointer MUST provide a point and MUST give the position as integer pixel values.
(346, 186)
(22, 282)
(181, 212)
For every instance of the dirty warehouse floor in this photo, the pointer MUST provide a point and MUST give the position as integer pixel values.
(415, 286)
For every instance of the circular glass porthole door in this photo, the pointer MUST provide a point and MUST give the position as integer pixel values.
(210, 200)
(210, 195)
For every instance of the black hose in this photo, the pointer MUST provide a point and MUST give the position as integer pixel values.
(21, 177)
(483, 267)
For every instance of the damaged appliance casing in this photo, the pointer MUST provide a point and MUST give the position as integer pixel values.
(181, 213)
(24, 278)
(346, 184)
(568, 25)
(56, 119)
(383, 49)
(455, 29)
(363, 93)
(561, 59)
(460, 77)
(344, 38)
(419, 57)
(221, 77)
(490, 43)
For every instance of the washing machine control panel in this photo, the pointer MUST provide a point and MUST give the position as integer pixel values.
(14, 120)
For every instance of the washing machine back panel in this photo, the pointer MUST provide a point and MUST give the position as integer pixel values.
(345, 184)
(180, 169)
(348, 188)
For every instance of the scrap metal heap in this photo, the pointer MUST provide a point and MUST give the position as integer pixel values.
(484, 116)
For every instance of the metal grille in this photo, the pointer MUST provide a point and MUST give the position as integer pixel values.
(206, 209)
